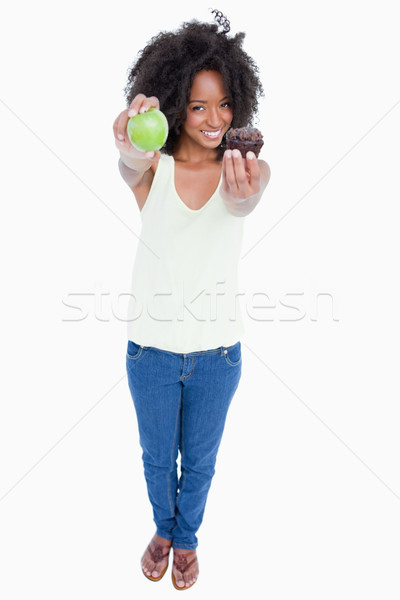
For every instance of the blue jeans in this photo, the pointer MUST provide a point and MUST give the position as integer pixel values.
(181, 403)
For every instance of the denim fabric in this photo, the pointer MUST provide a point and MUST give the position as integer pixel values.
(181, 403)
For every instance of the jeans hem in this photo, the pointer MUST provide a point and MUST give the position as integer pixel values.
(164, 534)
(179, 546)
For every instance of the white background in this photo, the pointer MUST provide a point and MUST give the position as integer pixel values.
(306, 499)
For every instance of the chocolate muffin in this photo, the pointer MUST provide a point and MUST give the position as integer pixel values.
(245, 139)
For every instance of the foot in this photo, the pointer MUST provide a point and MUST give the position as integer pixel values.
(155, 558)
(185, 569)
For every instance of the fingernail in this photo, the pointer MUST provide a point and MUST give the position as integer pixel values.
(228, 154)
(250, 155)
(121, 137)
(143, 109)
(132, 113)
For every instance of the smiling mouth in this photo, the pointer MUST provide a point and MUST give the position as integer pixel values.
(212, 135)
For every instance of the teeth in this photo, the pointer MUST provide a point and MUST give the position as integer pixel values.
(212, 133)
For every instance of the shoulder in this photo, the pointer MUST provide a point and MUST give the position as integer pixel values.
(149, 175)
(142, 188)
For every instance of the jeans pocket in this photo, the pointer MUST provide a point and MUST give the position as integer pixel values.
(233, 355)
(134, 351)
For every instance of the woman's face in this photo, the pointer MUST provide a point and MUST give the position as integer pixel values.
(209, 111)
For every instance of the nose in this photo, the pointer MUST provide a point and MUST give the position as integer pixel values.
(214, 118)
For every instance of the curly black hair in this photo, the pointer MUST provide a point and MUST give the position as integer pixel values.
(168, 64)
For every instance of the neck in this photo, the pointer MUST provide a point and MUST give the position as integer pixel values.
(187, 150)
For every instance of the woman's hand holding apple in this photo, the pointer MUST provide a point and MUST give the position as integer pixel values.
(129, 154)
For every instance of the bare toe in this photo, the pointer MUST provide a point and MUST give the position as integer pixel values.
(185, 568)
(155, 558)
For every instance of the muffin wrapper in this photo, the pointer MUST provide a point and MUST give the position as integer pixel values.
(245, 146)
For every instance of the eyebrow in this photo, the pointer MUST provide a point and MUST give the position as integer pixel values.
(205, 101)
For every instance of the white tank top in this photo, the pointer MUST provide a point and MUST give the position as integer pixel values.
(184, 294)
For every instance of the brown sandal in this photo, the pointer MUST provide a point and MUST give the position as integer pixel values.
(157, 554)
(182, 564)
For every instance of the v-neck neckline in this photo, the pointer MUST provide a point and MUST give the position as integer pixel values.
(193, 210)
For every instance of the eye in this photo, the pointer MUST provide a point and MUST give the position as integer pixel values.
(197, 107)
(226, 105)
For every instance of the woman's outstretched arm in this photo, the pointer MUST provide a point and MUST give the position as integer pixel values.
(243, 182)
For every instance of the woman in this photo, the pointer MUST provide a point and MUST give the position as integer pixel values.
(184, 328)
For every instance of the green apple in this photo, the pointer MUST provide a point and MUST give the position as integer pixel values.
(148, 131)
